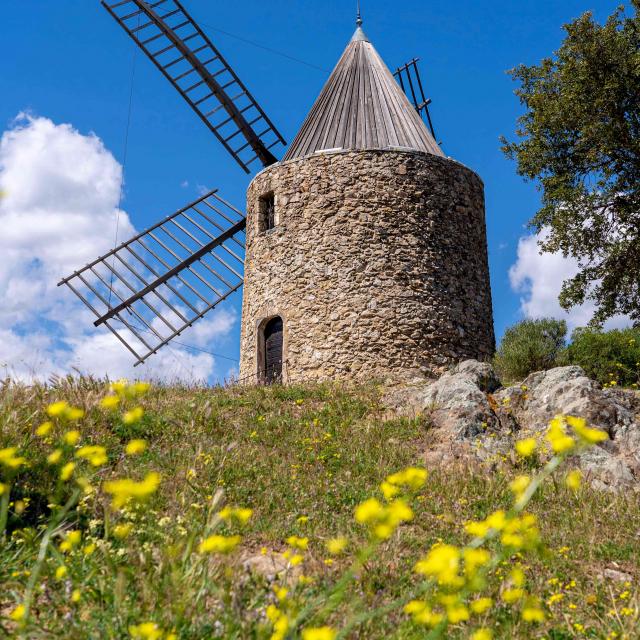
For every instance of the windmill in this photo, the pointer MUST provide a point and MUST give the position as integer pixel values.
(153, 287)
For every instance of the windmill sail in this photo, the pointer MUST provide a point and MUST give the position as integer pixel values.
(153, 287)
(169, 36)
(408, 75)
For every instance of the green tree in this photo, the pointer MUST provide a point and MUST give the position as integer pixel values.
(530, 345)
(611, 357)
(580, 140)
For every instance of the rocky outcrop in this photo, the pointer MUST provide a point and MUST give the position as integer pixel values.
(471, 416)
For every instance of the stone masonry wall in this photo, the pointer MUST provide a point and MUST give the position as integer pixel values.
(377, 265)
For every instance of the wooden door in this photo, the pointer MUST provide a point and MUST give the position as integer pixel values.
(273, 337)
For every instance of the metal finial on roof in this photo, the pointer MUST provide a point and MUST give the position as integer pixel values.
(359, 16)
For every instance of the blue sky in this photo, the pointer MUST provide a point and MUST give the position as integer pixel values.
(69, 62)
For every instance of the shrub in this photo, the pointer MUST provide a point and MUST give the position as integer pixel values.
(528, 346)
(611, 357)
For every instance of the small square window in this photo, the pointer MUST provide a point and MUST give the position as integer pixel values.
(267, 211)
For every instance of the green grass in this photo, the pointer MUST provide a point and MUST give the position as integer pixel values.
(315, 451)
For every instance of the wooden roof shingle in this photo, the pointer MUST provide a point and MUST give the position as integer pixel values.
(362, 107)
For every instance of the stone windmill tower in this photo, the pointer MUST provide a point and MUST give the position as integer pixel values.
(366, 253)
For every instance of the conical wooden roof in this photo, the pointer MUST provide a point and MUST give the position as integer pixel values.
(362, 107)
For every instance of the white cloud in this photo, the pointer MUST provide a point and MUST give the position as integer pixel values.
(538, 277)
(59, 195)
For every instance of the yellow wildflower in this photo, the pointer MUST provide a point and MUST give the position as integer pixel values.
(336, 546)
(520, 484)
(123, 490)
(135, 447)
(557, 437)
(457, 613)
(481, 605)
(442, 562)
(71, 540)
(71, 437)
(146, 630)
(219, 544)
(57, 409)
(526, 447)
(239, 514)
(9, 459)
(319, 633)
(512, 595)
(573, 479)
(298, 543)
(95, 454)
(44, 429)
(110, 402)
(54, 456)
(412, 478)
(18, 613)
(302, 519)
(61, 572)
(588, 435)
(474, 559)
(121, 531)
(389, 490)
(369, 511)
(133, 416)
(67, 471)
(482, 634)
(532, 614)
(76, 595)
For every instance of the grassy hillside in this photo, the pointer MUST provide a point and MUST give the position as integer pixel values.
(302, 458)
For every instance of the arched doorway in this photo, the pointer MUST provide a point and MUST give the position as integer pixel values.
(273, 341)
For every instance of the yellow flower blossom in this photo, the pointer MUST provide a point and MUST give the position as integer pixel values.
(520, 484)
(44, 429)
(67, 471)
(319, 633)
(123, 490)
(412, 478)
(94, 454)
(482, 634)
(336, 546)
(18, 613)
(219, 544)
(133, 416)
(573, 479)
(238, 514)
(474, 559)
(302, 519)
(9, 459)
(135, 447)
(512, 595)
(481, 605)
(588, 435)
(121, 531)
(71, 540)
(442, 562)
(76, 595)
(526, 447)
(532, 614)
(369, 511)
(110, 402)
(298, 543)
(146, 630)
(61, 572)
(557, 436)
(71, 437)
(57, 409)
(389, 490)
(54, 456)
(457, 613)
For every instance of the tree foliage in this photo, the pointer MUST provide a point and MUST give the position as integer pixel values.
(580, 139)
(611, 357)
(530, 345)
